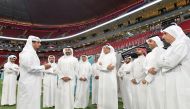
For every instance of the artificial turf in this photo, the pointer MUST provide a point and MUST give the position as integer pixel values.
(14, 107)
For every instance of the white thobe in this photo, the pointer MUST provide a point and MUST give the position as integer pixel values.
(83, 87)
(9, 84)
(30, 81)
(65, 91)
(107, 92)
(125, 84)
(95, 72)
(138, 90)
(155, 88)
(175, 66)
(49, 86)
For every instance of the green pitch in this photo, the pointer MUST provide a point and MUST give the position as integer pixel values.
(14, 107)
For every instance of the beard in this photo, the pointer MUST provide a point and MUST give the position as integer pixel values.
(52, 61)
(166, 44)
(12, 61)
(68, 53)
(127, 62)
(139, 54)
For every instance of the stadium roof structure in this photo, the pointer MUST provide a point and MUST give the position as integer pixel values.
(61, 12)
(64, 15)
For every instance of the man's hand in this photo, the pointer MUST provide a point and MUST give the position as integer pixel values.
(82, 79)
(152, 71)
(66, 79)
(47, 66)
(110, 67)
(134, 81)
(144, 81)
(96, 77)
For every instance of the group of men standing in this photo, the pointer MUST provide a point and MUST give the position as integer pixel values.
(157, 80)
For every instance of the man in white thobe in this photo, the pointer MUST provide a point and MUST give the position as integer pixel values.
(50, 83)
(124, 74)
(29, 85)
(138, 74)
(107, 92)
(68, 68)
(155, 88)
(95, 79)
(83, 83)
(175, 63)
(11, 71)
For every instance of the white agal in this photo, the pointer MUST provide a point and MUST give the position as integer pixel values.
(138, 90)
(11, 71)
(50, 85)
(95, 82)
(124, 74)
(67, 66)
(107, 92)
(30, 82)
(83, 87)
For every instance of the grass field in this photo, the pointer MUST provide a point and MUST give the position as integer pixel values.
(14, 107)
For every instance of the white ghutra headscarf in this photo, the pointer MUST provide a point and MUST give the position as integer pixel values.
(28, 47)
(177, 32)
(10, 57)
(51, 56)
(157, 40)
(112, 51)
